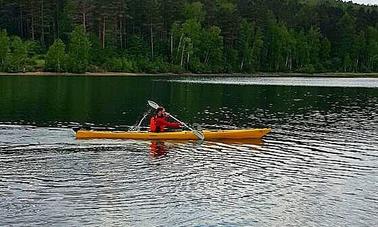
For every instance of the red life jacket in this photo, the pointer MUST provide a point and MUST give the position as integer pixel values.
(153, 126)
(158, 124)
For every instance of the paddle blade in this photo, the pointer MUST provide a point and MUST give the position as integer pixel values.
(153, 104)
(198, 134)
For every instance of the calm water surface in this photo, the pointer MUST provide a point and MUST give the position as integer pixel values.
(318, 167)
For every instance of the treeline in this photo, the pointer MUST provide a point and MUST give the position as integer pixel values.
(201, 36)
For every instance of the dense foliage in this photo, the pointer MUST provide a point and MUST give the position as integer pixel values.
(203, 36)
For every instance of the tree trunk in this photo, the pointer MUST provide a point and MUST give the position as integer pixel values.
(242, 64)
(207, 57)
(291, 63)
(124, 32)
(182, 55)
(179, 45)
(32, 24)
(120, 33)
(287, 61)
(103, 32)
(99, 31)
(42, 23)
(84, 21)
(21, 22)
(152, 42)
(57, 35)
(172, 47)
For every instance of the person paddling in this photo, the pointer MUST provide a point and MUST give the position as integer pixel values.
(159, 122)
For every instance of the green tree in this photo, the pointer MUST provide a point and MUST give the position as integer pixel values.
(4, 49)
(314, 43)
(283, 35)
(346, 32)
(250, 42)
(137, 47)
(231, 60)
(211, 49)
(372, 48)
(56, 56)
(325, 53)
(195, 11)
(78, 51)
(188, 38)
(153, 17)
(18, 56)
(228, 20)
(302, 51)
(280, 47)
(358, 52)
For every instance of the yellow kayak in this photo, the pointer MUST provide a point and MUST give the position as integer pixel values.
(181, 135)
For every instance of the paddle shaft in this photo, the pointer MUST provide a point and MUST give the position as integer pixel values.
(196, 132)
(182, 123)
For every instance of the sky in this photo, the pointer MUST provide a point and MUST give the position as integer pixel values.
(371, 2)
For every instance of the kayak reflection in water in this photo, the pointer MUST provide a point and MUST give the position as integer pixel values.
(159, 122)
(158, 149)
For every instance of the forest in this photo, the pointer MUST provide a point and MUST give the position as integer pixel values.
(177, 36)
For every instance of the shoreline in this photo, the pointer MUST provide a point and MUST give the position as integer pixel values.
(260, 74)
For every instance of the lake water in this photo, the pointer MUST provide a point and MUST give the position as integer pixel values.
(318, 167)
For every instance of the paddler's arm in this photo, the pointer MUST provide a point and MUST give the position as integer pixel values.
(173, 125)
(168, 124)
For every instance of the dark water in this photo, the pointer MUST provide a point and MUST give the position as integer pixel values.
(318, 167)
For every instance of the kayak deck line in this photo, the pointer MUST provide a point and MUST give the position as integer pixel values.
(181, 135)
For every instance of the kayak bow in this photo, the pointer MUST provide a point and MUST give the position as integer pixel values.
(182, 135)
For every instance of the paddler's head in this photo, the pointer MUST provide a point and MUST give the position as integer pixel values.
(160, 112)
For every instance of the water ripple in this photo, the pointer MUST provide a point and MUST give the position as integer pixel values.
(313, 168)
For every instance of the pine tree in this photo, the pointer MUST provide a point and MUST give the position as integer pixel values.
(314, 44)
(250, 43)
(153, 23)
(55, 56)
(4, 48)
(211, 49)
(78, 51)
(372, 49)
(346, 29)
(282, 35)
(18, 55)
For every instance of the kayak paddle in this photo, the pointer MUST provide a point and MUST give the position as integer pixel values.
(195, 132)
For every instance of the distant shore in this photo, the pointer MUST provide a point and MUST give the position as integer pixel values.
(261, 74)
